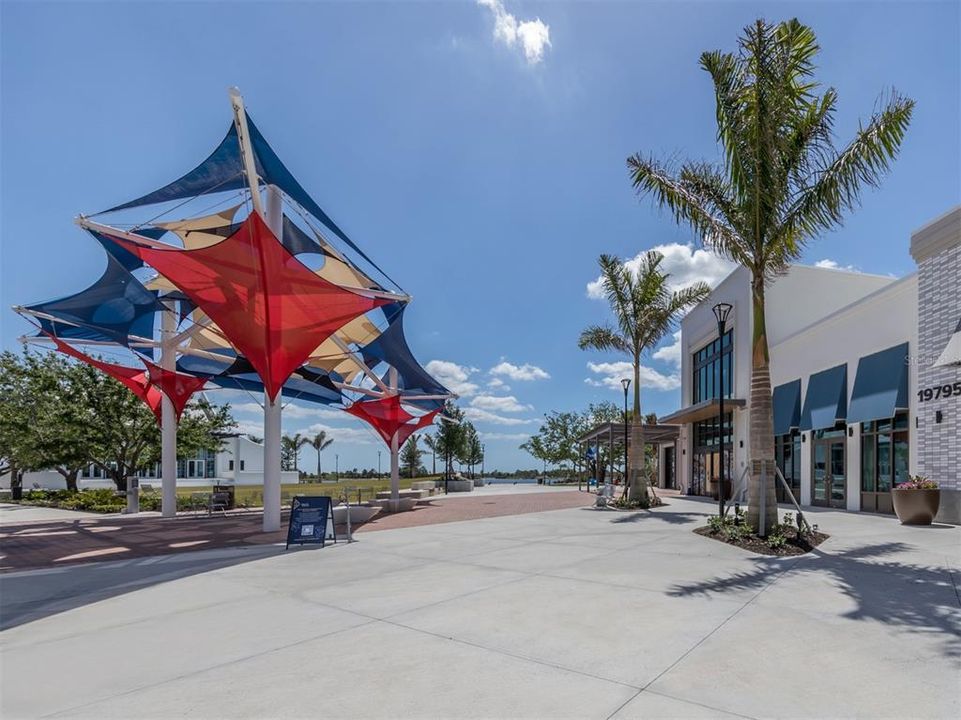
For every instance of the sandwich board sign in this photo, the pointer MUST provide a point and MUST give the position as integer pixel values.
(311, 520)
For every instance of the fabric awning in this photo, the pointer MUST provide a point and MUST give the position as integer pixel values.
(787, 407)
(881, 385)
(826, 399)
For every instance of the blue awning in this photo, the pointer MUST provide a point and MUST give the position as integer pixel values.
(787, 407)
(881, 385)
(826, 399)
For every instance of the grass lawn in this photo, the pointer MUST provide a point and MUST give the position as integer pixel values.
(253, 495)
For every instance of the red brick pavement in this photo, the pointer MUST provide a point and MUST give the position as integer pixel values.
(55, 544)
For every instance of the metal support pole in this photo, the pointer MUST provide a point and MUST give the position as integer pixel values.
(272, 406)
(168, 416)
(720, 368)
(394, 448)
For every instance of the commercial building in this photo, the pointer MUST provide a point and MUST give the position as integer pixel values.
(866, 379)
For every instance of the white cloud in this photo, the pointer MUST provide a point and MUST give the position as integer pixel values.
(453, 376)
(505, 403)
(532, 36)
(343, 434)
(498, 384)
(611, 374)
(508, 437)
(833, 265)
(670, 354)
(519, 372)
(479, 415)
(291, 411)
(685, 263)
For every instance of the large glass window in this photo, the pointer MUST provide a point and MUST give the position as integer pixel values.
(707, 369)
(884, 453)
(787, 452)
(707, 457)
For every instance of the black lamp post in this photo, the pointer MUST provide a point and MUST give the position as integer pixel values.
(625, 383)
(721, 312)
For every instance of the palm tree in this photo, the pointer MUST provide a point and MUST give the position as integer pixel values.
(320, 442)
(645, 308)
(290, 449)
(782, 182)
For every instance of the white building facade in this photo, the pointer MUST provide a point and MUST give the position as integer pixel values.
(858, 403)
(239, 462)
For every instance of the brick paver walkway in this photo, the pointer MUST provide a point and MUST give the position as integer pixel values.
(59, 543)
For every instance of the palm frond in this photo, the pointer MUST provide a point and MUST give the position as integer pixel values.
(603, 337)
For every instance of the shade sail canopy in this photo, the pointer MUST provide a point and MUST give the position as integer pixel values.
(271, 307)
(178, 387)
(388, 417)
(391, 347)
(235, 373)
(787, 407)
(115, 307)
(223, 170)
(826, 401)
(951, 355)
(137, 381)
(880, 386)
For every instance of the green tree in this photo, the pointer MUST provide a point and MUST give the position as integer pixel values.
(320, 442)
(782, 182)
(410, 455)
(472, 451)
(645, 309)
(534, 445)
(290, 447)
(450, 436)
(41, 426)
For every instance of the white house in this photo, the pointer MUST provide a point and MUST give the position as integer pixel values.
(239, 462)
(859, 403)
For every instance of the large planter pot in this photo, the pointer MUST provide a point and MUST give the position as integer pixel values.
(916, 507)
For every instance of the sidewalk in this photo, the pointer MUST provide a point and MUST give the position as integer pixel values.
(86, 537)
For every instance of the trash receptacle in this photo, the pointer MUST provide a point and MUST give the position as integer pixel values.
(133, 495)
(230, 490)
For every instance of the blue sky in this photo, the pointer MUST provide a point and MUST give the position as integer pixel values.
(476, 151)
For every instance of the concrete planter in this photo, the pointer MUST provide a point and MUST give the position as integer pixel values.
(460, 485)
(916, 507)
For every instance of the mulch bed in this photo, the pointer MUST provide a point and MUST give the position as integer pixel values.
(752, 543)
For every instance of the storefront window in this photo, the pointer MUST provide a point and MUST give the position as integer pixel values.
(884, 453)
(707, 369)
(707, 456)
(787, 452)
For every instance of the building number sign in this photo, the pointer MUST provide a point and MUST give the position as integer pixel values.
(939, 391)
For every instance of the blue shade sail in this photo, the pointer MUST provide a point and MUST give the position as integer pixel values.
(826, 399)
(236, 373)
(787, 407)
(880, 386)
(223, 170)
(297, 241)
(391, 347)
(114, 308)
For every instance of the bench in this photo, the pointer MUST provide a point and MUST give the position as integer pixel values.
(218, 501)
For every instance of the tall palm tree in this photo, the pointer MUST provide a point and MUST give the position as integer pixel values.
(645, 308)
(320, 442)
(782, 182)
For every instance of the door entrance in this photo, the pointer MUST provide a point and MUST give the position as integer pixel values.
(669, 467)
(829, 472)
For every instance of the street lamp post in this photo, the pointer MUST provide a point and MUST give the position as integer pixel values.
(721, 312)
(625, 383)
(337, 466)
(483, 455)
(378, 464)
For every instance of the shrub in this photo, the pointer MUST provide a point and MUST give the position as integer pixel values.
(716, 523)
(776, 540)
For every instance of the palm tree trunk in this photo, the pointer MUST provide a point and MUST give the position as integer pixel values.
(762, 421)
(637, 483)
(318, 463)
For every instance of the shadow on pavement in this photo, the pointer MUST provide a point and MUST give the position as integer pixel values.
(920, 598)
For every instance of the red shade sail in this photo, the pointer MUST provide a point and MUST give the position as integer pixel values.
(176, 386)
(388, 418)
(271, 307)
(137, 381)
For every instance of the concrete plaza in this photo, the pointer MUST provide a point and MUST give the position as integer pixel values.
(570, 613)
